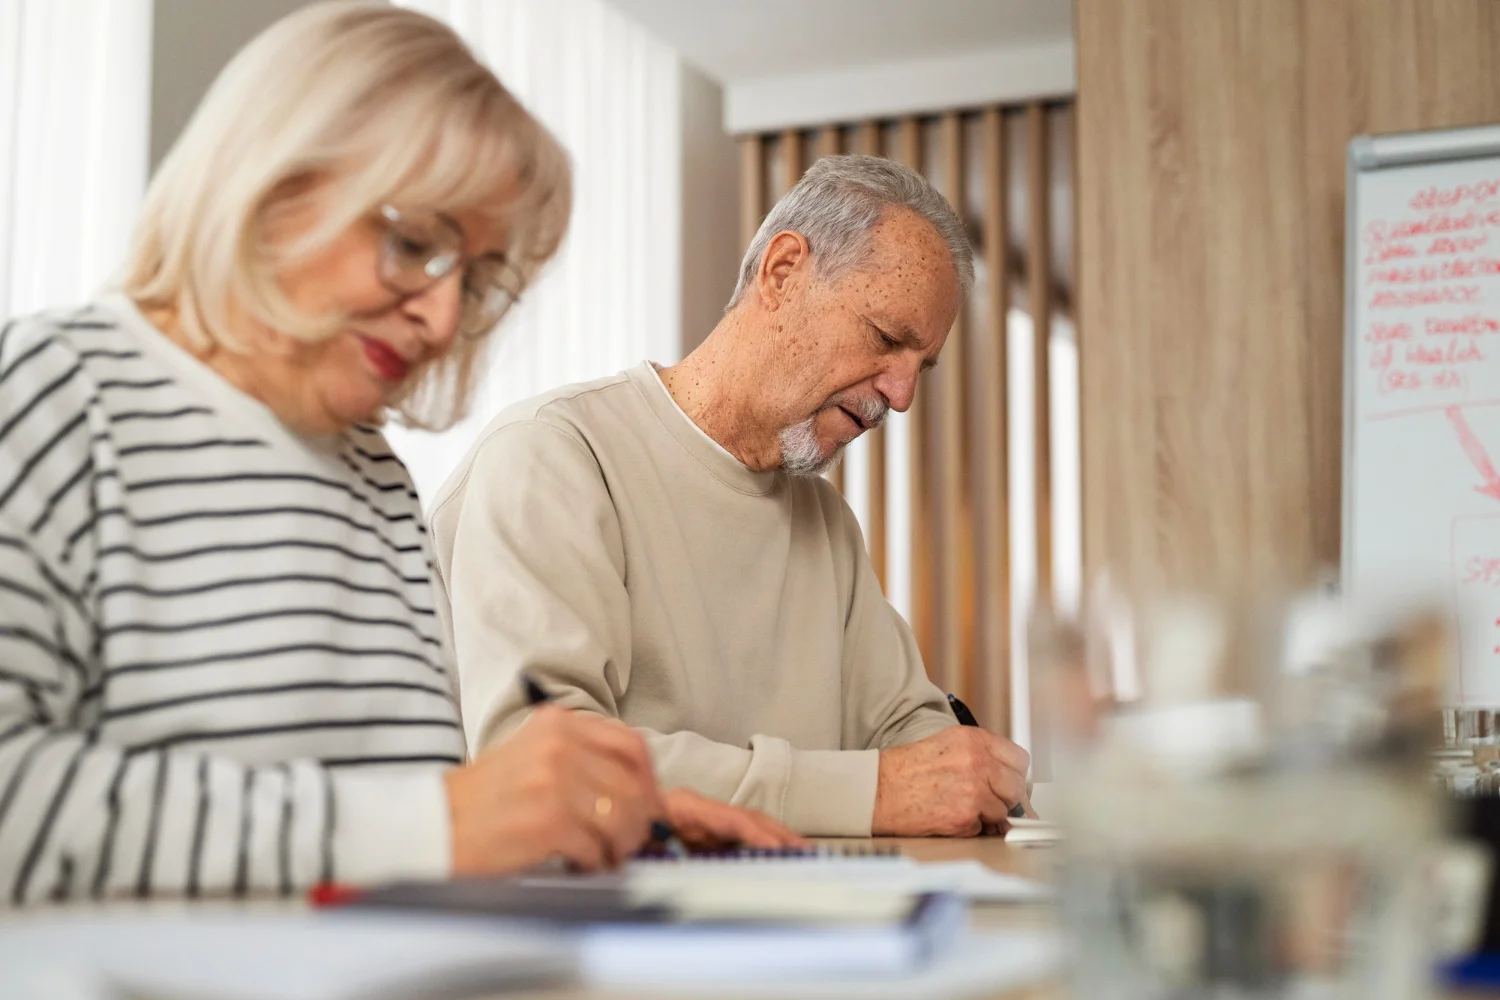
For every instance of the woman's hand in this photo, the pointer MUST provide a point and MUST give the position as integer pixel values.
(567, 783)
(709, 823)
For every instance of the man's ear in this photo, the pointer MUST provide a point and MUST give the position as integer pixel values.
(786, 258)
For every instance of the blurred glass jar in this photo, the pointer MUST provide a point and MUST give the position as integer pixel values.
(1246, 813)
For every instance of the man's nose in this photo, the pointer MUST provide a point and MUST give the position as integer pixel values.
(899, 387)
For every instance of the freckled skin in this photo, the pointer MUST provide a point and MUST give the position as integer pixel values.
(795, 340)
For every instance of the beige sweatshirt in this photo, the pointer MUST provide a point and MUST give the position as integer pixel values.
(598, 539)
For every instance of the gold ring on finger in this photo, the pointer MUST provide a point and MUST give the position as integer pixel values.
(604, 805)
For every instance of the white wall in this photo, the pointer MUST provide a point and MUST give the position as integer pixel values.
(191, 42)
(631, 99)
(649, 258)
(710, 207)
(74, 86)
(902, 87)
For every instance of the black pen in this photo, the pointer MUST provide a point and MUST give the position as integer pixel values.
(966, 718)
(661, 831)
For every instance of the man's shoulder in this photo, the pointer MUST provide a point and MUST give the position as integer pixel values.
(556, 423)
(574, 406)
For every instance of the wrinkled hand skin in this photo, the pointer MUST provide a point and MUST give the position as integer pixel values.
(960, 782)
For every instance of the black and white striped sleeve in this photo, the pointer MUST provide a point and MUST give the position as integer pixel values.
(80, 817)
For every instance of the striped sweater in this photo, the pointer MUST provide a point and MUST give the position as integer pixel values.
(220, 670)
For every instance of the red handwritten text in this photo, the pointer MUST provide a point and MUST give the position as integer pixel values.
(1455, 295)
(1450, 270)
(1458, 352)
(1472, 325)
(1436, 197)
(1380, 253)
(1380, 333)
(1456, 244)
(1393, 381)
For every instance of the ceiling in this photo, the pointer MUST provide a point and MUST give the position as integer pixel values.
(741, 40)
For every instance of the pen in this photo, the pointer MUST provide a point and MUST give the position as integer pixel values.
(966, 718)
(661, 831)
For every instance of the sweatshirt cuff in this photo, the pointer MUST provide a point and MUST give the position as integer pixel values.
(390, 827)
(831, 793)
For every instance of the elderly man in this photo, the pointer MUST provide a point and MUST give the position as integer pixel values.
(658, 546)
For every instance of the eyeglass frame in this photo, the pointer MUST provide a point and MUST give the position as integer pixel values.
(392, 217)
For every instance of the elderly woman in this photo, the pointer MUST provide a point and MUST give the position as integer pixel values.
(220, 669)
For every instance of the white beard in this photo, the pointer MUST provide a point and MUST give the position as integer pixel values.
(801, 455)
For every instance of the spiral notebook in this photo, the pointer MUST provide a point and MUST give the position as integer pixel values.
(874, 866)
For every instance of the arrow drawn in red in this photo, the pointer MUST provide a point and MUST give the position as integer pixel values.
(1473, 448)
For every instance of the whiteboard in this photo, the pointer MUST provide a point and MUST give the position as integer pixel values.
(1422, 384)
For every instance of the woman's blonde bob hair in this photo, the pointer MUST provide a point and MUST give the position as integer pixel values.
(391, 107)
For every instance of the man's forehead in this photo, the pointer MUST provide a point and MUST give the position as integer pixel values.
(908, 256)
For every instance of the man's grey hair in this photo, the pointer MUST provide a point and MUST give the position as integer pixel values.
(837, 204)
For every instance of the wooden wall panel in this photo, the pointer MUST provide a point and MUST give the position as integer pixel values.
(868, 142)
(790, 150)
(951, 465)
(992, 445)
(752, 187)
(923, 579)
(830, 143)
(1211, 141)
(1039, 301)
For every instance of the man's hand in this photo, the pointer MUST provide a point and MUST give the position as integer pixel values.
(567, 783)
(709, 823)
(953, 784)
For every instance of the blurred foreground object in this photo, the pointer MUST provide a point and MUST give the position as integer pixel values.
(1246, 796)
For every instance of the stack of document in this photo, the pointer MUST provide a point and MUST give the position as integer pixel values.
(720, 928)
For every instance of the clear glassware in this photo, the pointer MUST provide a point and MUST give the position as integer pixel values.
(1234, 828)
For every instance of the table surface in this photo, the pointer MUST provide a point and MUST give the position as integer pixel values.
(1033, 862)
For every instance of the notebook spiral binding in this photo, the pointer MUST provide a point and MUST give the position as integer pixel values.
(821, 852)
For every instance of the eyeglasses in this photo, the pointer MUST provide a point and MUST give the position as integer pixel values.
(419, 249)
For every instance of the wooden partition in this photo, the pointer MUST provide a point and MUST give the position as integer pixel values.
(1211, 142)
(997, 165)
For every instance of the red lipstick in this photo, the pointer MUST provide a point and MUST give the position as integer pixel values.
(383, 358)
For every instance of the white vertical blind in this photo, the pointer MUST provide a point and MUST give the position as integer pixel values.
(610, 92)
(75, 92)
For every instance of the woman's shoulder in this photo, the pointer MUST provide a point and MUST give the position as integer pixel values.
(42, 362)
(70, 338)
(370, 457)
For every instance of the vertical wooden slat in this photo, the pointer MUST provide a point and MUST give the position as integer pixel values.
(923, 583)
(791, 160)
(948, 443)
(829, 144)
(992, 434)
(867, 141)
(752, 187)
(1039, 298)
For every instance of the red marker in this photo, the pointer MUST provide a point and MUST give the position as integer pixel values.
(326, 894)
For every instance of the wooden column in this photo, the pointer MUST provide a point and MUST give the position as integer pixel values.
(949, 448)
(923, 533)
(791, 160)
(1039, 301)
(752, 187)
(868, 142)
(829, 144)
(992, 440)
(1211, 150)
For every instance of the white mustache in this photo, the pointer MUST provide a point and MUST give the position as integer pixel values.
(871, 409)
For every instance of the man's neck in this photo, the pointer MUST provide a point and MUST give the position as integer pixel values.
(716, 386)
